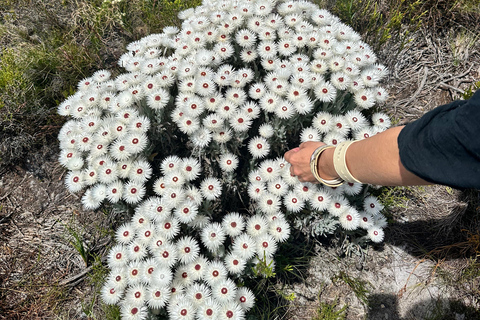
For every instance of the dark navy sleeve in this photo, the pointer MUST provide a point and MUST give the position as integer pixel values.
(443, 146)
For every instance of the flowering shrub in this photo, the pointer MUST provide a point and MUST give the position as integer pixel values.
(190, 139)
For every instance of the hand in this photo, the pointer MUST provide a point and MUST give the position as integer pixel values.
(299, 158)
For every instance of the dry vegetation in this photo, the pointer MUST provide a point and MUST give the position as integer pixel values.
(50, 249)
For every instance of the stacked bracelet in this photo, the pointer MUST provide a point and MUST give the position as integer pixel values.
(314, 167)
(340, 163)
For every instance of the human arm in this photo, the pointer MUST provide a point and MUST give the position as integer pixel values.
(375, 160)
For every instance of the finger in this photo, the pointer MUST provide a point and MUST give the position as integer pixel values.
(289, 153)
(291, 172)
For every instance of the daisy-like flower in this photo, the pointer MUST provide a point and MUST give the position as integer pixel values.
(246, 38)
(364, 98)
(372, 206)
(136, 294)
(201, 139)
(89, 202)
(257, 90)
(355, 119)
(188, 249)
(213, 236)
(182, 309)
(333, 138)
(350, 219)
(74, 181)
(133, 192)
(245, 298)
(161, 275)
(266, 245)
(338, 205)
(258, 147)
(340, 125)
(381, 121)
(208, 310)
(234, 263)
(366, 220)
(196, 269)
(320, 200)
(293, 202)
(148, 268)
(224, 291)
(167, 255)
(169, 227)
(268, 170)
(277, 187)
(363, 133)
(233, 224)
(197, 293)
(117, 257)
(380, 94)
(133, 312)
(213, 121)
(222, 136)
(211, 188)
(256, 190)
(117, 278)
(188, 125)
(137, 250)
(215, 272)
(125, 234)
(244, 246)
(111, 293)
(134, 273)
(240, 121)
(228, 162)
(269, 203)
(376, 234)
(140, 171)
(232, 310)
(279, 229)
(146, 233)
(182, 276)
(256, 226)
(323, 122)
(170, 164)
(157, 296)
(186, 212)
(309, 134)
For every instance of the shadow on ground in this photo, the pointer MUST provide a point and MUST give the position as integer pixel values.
(385, 306)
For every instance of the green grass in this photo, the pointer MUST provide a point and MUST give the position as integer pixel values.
(331, 311)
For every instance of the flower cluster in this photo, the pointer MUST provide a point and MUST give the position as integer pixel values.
(207, 110)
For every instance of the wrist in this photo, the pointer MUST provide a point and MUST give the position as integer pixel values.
(326, 168)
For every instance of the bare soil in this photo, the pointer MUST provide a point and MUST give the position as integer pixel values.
(42, 276)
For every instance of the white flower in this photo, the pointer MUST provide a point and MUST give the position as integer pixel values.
(366, 220)
(256, 225)
(279, 229)
(234, 263)
(350, 219)
(240, 122)
(340, 125)
(188, 249)
(89, 202)
(157, 296)
(334, 138)
(213, 236)
(309, 134)
(269, 203)
(111, 293)
(215, 271)
(137, 250)
(246, 38)
(209, 310)
(133, 192)
(125, 233)
(134, 274)
(132, 312)
(224, 291)
(376, 234)
(244, 246)
(323, 122)
(197, 293)
(364, 99)
(232, 310)
(293, 202)
(74, 181)
(196, 269)
(381, 121)
(338, 205)
(258, 147)
(211, 188)
(183, 309)
(186, 212)
(257, 90)
(170, 164)
(167, 255)
(169, 227)
(248, 55)
(117, 256)
(372, 206)
(228, 162)
(233, 224)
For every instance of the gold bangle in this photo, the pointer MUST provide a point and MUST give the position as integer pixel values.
(314, 168)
